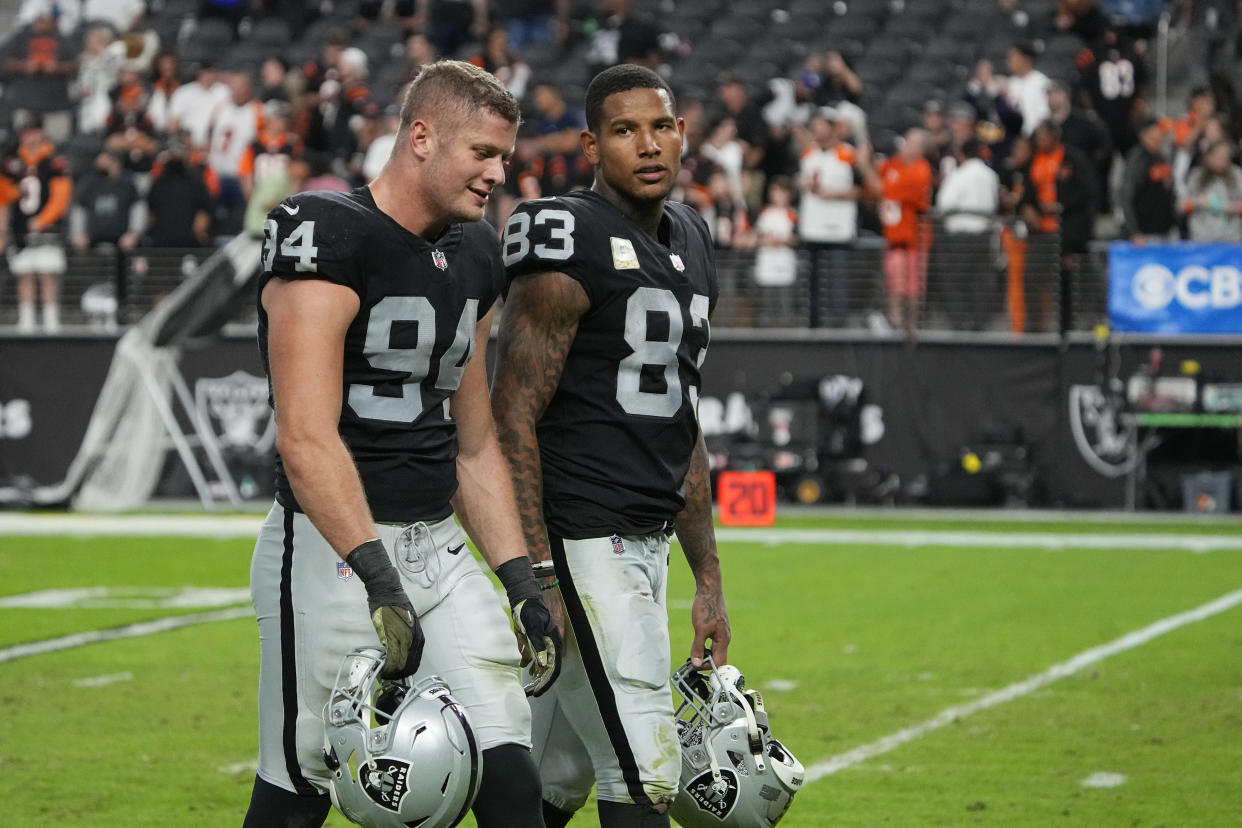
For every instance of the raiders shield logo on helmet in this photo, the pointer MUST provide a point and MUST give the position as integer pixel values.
(715, 797)
(386, 781)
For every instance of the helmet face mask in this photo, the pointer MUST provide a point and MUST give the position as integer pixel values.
(399, 755)
(733, 773)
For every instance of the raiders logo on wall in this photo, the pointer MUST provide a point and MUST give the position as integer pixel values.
(716, 798)
(235, 409)
(1103, 439)
(386, 781)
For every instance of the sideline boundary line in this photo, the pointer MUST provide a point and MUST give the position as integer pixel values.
(158, 625)
(966, 538)
(247, 526)
(1021, 688)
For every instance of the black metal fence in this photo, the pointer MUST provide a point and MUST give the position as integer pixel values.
(998, 280)
(106, 288)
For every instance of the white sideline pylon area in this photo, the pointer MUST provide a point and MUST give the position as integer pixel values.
(1022, 688)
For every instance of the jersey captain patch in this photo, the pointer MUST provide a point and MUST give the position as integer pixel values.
(623, 255)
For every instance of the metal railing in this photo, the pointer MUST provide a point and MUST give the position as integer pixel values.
(106, 288)
(1000, 281)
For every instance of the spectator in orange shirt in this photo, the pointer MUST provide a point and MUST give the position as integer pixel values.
(1202, 107)
(905, 183)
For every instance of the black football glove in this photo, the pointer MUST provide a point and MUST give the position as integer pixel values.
(538, 638)
(392, 614)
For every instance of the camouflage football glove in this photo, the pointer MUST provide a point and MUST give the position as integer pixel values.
(538, 638)
(392, 614)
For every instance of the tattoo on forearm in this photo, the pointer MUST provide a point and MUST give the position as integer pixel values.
(530, 359)
(694, 524)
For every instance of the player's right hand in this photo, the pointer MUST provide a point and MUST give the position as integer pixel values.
(539, 643)
(392, 614)
(539, 639)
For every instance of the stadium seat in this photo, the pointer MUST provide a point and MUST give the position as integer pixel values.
(889, 50)
(952, 48)
(727, 28)
(245, 56)
(853, 27)
(381, 44)
(214, 31)
(174, 9)
(80, 150)
(271, 31)
(915, 29)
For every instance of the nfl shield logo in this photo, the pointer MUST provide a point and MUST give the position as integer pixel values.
(439, 260)
(618, 545)
(344, 571)
(677, 262)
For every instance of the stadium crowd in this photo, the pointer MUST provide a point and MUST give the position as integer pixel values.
(810, 149)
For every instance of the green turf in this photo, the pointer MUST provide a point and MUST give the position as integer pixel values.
(875, 638)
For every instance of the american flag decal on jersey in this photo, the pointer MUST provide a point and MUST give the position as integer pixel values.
(344, 571)
(618, 545)
(439, 259)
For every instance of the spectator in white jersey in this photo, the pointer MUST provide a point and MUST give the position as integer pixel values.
(237, 124)
(828, 215)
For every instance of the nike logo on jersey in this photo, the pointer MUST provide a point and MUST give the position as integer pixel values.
(293, 211)
(453, 550)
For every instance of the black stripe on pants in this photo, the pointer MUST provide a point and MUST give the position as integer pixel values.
(288, 666)
(593, 663)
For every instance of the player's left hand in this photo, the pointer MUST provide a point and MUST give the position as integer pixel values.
(711, 621)
(538, 638)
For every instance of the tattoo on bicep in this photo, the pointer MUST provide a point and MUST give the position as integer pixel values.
(530, 366)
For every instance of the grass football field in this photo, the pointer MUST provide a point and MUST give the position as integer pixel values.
(929, 670)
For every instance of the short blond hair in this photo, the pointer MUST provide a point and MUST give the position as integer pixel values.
(454, 91)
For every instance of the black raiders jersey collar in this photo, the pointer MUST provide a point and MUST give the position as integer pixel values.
(450, 239)
(673, 230)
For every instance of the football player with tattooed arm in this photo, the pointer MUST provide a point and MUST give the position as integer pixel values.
(594, 393)
(375, 308)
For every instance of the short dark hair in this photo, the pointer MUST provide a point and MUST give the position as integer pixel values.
(1025, 47)
(1049, 126)
(620, 78)
(456, 89)
(972, 147)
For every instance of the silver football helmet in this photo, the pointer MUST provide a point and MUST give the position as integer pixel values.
(733, 773)
(399, 755)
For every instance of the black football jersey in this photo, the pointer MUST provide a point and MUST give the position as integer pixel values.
(616, 438)
(407, 348)
(33, 176)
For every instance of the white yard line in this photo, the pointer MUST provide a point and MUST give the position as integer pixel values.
(105, 680)
(1022, 688)
(158, 625)
(247, 526)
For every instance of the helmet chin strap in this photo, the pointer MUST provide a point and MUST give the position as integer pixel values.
(750, 702)
(753, 736)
